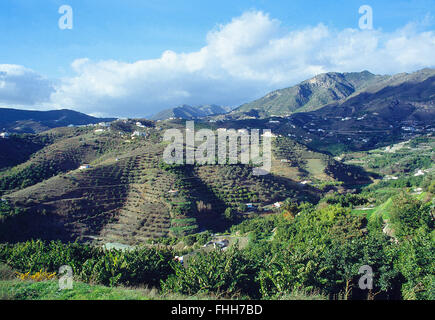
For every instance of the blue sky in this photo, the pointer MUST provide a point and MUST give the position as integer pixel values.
(131, 30)
(113, 36)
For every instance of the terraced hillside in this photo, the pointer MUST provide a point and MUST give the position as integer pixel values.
(305, 163)
(126, 194)
(335, 112)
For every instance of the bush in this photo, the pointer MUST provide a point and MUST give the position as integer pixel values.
(348, 200)
(409, 214)
(223, 274)
(6, 273)
(229, 214)
(142, 266)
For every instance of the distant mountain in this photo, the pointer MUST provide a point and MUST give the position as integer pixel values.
(394, 109)
(311, 94)
(25, 121)
(402, 97)
(188, 112)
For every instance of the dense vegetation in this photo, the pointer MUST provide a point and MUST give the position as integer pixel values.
(143, 266)
(312, 246)
(305, 248)
(6, 210)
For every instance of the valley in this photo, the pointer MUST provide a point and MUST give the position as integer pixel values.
(351, 183)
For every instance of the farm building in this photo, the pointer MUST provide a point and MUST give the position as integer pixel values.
(269, 134)
(173, 192)
(138, 134)
(277, 204)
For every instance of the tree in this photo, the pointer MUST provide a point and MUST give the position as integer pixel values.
(409, 214)
(221, 273)
(416, 263)
(229, 214)
(290, 209)
(242, 208)
(339, 267)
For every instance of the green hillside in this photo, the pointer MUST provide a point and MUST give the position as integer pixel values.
(340, 90)
(188, 112)
(311, 94)
(24, 121)
(127, 195)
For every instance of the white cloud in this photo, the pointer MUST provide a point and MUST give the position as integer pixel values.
(242, 60)
(22, 87)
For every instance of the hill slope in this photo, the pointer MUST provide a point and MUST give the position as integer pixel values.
(337, 88)
(25, 121)
(188, 112)
(128, 195)
(312, 94)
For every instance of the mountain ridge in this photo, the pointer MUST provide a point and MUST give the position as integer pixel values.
(32, 121)
(324, 89)
(188, 112)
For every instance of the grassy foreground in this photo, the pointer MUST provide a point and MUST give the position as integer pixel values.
(49, 290)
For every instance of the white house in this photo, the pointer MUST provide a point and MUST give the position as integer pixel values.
(277, 204)
(84, 166)
(138, 134)
(269, 134)
(419, 173)
(305, 182)
(390, 178)
(179, 259)
(173, 192)
(4, 135)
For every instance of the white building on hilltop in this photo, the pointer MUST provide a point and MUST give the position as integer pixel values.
(269, 134)
(138, 134)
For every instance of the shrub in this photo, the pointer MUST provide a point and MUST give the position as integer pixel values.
(142, 266)
(6, 273)
(408, 214)
(224, 274)
(37, 276)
